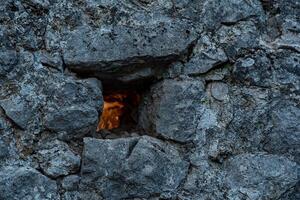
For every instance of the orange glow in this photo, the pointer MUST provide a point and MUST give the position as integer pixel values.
(114, 108)
(111, 115)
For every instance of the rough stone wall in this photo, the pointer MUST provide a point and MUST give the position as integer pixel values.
(221, 119)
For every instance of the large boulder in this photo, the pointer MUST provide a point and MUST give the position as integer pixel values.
(52, 101)
(127, 46)
(122, 50)
(127, 39)
(260, 176)
(26, 183)
(173, 109)
(132, 167)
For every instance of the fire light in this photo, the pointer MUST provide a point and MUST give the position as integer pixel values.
(116, 105)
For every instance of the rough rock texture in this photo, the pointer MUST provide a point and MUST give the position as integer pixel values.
(219, 115)
(26, 183)
(134, 167)
(173, 106)
(56, 159)
(259, 176)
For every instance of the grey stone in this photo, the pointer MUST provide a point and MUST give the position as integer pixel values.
(203, 182)
(173, 107)
(124, 44)
(206, 55)
(26, 183)
(53, 61)
(287, 71)
(71, 196)
(18, 110)
(258, 70)
(81, 195)
(71, 182)
(8, 60)
(284, 134)
(4, 150)
(219, 90)
(291, 25)
(175, 70)
(289, 38)
(52, 101)
(57, 159)
(237, 39)
(289, 8)
(148, 45)
(218, 74)
(250, 108)
(132, 167)
(75, 120)
(259, 176)
(230, 12)
(40, 4)
(292, 194)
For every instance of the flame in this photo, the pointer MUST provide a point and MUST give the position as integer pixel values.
(114, 108)
(111, 115)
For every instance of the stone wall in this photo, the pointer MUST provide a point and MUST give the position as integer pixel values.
(219, 117)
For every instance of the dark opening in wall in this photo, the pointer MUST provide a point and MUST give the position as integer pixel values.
(121, 105)
(120, 110)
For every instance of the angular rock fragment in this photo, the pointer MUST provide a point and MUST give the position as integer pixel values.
(253, 70)
(286, 73)
(71, 196)
(230, 12)
(38, 4)
(206, 55)
(82, 195)
(4, 150)
(71, 182)
(290, 34)
(277, 70)
(81, 120)
(8, 60)
(250, 109)
(203, 182)
(132, 167)
(237, 39)
(73, 107)
(56, 159)
(18, 110)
